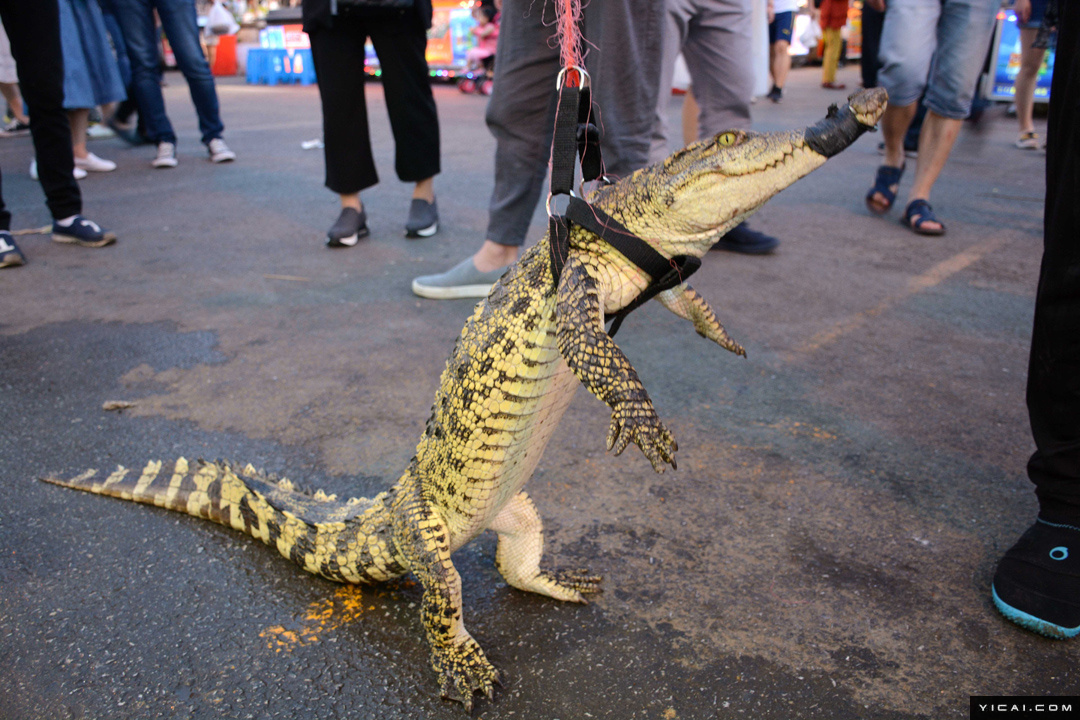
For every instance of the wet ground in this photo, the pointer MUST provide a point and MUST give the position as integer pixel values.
(825, 549)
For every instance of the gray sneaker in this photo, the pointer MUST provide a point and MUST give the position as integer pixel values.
(349, 228)
(423, 219)
(461, 281)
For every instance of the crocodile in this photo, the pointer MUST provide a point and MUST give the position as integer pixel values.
(510, 377)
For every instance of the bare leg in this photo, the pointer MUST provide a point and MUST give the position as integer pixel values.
(492, 256)
(352, 201)
(894, 125)
(935, 143)
(690, 112)
(1030, 60)
(11, 93)
(80, 121)
(425, 190)
(779, 63)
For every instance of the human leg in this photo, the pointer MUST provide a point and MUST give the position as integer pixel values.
(830, 61)
(136, 18)
(414, 119)
(716, 47)
(34, 30)
(1030, 60)
(1037, 583)
(180, 23)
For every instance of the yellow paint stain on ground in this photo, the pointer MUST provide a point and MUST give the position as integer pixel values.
(321, 616)
(670, 714)
(800, 429)
(934, 276)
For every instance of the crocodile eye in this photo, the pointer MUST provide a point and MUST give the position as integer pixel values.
(727, 138)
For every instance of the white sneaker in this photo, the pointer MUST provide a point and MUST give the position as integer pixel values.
(93, 163)
(219, 151)
(78, 173)
(166, 156)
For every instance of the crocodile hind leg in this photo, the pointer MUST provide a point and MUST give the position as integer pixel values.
(521, 544)
(422, 539)
(687, 303)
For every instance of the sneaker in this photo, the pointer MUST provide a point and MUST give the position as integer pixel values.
(219, 151)
(742, 239)
(15, 128)
(776, 94)
(97, 131)
(128, 133)
(78, 173)
(423, 219)
(351, 225)
(1037, 583)
(1028, 141)
(82, 232)
(166, 156)
(92, 163)
(461, 281)
(10, 254)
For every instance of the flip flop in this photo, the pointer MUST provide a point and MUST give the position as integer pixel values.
(917, 214)
(886, 184)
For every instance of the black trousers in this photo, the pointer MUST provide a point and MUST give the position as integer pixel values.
(34, 31)
(338, 52)
(1053, 392)
(872, 20)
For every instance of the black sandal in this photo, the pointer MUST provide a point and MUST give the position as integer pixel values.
(886, 184)
(917, 214)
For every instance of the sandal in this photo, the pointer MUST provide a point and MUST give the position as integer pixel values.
(886, 184)
(917, 214)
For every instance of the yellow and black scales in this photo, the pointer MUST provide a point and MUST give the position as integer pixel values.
(511, 376)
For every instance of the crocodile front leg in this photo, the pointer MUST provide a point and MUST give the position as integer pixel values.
(603, 368)
(521, 545)
(423, 540)
(688, 304)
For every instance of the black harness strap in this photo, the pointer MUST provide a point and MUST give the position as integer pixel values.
(577, 138)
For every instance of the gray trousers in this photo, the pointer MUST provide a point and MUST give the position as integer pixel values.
(622, 57)
(714, 37)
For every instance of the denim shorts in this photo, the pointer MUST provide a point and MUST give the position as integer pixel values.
(780, 27)
(936, 46)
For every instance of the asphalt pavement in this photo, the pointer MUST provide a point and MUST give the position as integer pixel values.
(824, 550)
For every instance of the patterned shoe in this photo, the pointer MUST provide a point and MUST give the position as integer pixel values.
(423, 219)
(461, 281)
(351, 225)
(1037, 583)
(1028, 141)
(10, 255)
(82, 232)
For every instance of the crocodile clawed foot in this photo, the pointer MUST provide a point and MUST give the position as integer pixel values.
(580, 580)
(465, 671)
(637, 422)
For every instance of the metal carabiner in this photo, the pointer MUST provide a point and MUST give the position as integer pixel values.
(583, 75)
(551, 197)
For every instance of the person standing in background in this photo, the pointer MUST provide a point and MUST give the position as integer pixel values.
(780, 27)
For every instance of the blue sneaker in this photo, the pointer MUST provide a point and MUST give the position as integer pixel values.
(82, 232)
(10, 254)
(1037, 583)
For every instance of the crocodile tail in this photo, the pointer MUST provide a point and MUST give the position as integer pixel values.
(343, 541)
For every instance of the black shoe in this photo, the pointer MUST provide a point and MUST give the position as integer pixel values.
(1037, 583)
(351, 225)
(10, 254)
(742, 239)
(423, 219)
(82, 232)
(776, 94)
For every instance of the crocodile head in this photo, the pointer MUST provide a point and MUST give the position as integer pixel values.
(687, 202)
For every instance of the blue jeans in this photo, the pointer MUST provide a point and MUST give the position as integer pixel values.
(938, 46)
(178, 19)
